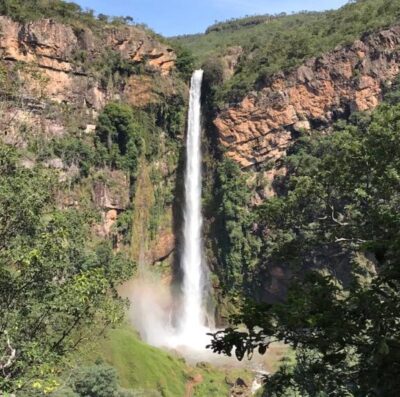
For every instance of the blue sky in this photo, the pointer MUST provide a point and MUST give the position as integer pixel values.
(172, 17)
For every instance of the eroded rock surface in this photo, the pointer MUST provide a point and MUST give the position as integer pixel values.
(263, 125)
(111, 191)
(54, 49)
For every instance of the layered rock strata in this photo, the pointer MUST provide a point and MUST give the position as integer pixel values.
(263, 125)
(56, 51)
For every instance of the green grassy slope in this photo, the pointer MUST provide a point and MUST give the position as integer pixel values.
(287, 41)
(215, 382)
(141, 367)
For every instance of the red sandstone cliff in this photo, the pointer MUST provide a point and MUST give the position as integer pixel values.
(54, 48)
(53, 83)
(260, 128)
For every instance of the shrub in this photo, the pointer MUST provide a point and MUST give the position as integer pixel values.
(119, 137)
(184, 62)
(95, 381)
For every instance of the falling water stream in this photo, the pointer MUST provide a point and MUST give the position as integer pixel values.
(154, 309)
(191, 324)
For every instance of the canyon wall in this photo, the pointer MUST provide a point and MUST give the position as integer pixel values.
(263, 125)
(55, 79)
(257, 133)
(65, 57)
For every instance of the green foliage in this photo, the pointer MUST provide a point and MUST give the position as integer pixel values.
(64, 392)
(123, 133)
(29, 10)
(142, 367)
(120, 137)
(163, 198)
(213, 72)
(286, 41)
(216, 382)
(342, 193)
(391, 92)
(112, 68)
(62, 11)
(239, 23)
(213, 79)
(95, 381)
(237, 247)
(124, 225)
(184, 62)
(72, 150)
(55, 291)
(170, 115)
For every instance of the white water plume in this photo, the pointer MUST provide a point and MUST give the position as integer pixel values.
(153, 307)
(192, 320)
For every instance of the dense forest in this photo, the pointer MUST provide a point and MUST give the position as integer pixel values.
(341, 197)
(302, 249)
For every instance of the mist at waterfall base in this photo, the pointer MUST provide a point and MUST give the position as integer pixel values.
(160, 319)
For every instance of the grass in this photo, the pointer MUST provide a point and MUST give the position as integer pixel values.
(218, 382)
(275, 355)
(140, 366)
(152, 371)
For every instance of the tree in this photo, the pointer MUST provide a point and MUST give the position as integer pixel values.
(55, 290)
(213, 78)
(103, 18)
(96, 381)
(343, 192)
(119, 137)
(184, 62)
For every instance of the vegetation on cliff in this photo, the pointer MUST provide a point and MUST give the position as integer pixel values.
(57, 290)
(235, 246)
(68, 178)
(62, 11)
(119, 137)
(286, 41)
(340, 197)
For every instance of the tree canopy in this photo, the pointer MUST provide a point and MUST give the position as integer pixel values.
(120, 137)
(56, 290)
(341, 195)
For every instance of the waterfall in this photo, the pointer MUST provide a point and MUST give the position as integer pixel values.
(154, 309)
(192, 319)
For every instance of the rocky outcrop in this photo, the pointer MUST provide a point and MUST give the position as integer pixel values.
(54, 49)
(134, 44)
(54, 81)
(111, 190)
(263, 125)
(162, 248)
(142, 90)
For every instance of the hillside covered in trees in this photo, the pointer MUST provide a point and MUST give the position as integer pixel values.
(271, 44)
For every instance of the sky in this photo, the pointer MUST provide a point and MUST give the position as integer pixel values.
(175, 17)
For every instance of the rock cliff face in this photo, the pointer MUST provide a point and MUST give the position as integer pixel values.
(55, 79)
(55, 49)
(264, 124)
